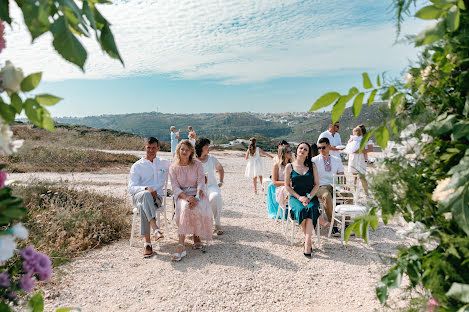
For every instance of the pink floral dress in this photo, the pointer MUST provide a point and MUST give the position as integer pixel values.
(189, 180)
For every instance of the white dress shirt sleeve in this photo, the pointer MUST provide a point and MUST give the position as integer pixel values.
(134, 181)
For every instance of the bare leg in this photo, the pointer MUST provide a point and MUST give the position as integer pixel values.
(255, 185)
(180, 247)
(154, 226)
(307, 224)
(365, 186)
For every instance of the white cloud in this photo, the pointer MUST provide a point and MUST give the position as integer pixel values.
(231, 41)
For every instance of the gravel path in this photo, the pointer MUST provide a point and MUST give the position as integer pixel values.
(251, 267)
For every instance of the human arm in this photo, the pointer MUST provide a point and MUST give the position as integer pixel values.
(177, 191)
(315, 189)
(200, 178)
(247, 154)
(303, 199)
(221, 172)
(134, 181)
(265, 154)
(276, 182)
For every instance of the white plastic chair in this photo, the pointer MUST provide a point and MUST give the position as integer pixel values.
(158, 212)
(345, 188)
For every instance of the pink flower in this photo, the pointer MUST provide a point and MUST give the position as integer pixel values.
(26, 283)
(3, 177)
(28, 253)
(2, 36)
(432, 304)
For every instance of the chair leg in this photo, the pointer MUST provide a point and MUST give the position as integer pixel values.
(292, 231)
(134, 218)
(342, 230)
(318, 232)
(278, 212)
(165, 219)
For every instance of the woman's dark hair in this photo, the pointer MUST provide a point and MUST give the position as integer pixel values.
(252, 146)
(283, 142)
(363, 128)
(308, 162)
(314, 150)
(199, 144)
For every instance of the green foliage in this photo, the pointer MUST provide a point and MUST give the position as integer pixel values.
(36, 303)
(425, 178)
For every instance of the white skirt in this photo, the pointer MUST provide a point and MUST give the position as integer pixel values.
(356, 163)
(254, 168)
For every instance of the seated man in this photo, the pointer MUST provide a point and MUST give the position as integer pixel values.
(327, 166)
(147, 178)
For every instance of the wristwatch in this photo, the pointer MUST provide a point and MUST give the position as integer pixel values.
(309, 195)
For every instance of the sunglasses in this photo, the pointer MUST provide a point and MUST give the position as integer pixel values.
(289, 152)
(322, 147)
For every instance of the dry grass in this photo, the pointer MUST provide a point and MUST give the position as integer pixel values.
(64, 222)
(32, 158)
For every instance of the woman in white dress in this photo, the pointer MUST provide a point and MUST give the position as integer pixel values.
(174, 139)
(191, 135)
(255, 165)
(211, 164)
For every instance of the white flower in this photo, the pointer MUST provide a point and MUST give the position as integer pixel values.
(19, 231)
(426, 72)
(441, 192)
(6, 144)
(7, 247)
(408, 131)
(11, 77)
(408, 78)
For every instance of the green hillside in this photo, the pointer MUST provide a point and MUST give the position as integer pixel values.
(223, 127)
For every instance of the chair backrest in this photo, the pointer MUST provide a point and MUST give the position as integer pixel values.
(345, 187)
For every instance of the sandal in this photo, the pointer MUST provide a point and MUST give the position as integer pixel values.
(218, 231)
(178, 256)
(158, 234)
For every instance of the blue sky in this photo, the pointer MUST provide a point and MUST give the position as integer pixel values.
(219, 56)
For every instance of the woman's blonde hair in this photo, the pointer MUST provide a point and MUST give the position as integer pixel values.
(190, 128)
(252, 146)
(282, 155)
(177, 157)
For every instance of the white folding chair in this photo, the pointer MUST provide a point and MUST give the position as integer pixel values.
(346, 188)
(294, 224)
(158, 213)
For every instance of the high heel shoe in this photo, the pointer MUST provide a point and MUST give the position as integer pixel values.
(308, 255)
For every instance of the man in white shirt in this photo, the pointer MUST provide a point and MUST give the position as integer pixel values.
(146, 182)
(334, 138)
(327, 165)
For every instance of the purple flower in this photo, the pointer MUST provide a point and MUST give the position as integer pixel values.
(28, 254)
(43, 266)
(3, 177)
(29, 267)
(26, 283)
(4, 279)
(11, 295)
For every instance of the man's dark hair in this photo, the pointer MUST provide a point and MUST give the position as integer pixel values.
(283, 142)
(324, 140)
(151, 140)
(199, 144)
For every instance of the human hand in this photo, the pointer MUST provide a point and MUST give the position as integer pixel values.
(192, 202)
(304, 200)
(152, 192)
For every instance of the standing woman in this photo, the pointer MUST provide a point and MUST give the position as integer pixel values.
(255, 166)
(174, 139)
(302, 182)
(276, 192)
(211, 164)
(193, 213)
(191, 135)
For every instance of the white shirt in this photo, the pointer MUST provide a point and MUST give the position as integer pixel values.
(334, 140)
(148, 174)
(210, 167)
(325, 177)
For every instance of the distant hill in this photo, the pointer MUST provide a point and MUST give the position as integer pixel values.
(223, 127)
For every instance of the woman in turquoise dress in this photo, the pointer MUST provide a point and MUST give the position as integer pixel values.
(302, 182)
(276, 192)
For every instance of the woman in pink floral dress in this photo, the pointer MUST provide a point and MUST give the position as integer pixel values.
(193, 212)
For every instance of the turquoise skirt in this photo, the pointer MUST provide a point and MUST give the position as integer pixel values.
(299, 212)
(272, 205)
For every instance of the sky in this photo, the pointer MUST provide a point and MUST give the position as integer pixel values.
(199, 56)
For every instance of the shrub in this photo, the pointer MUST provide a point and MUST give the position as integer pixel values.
(63, 221)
